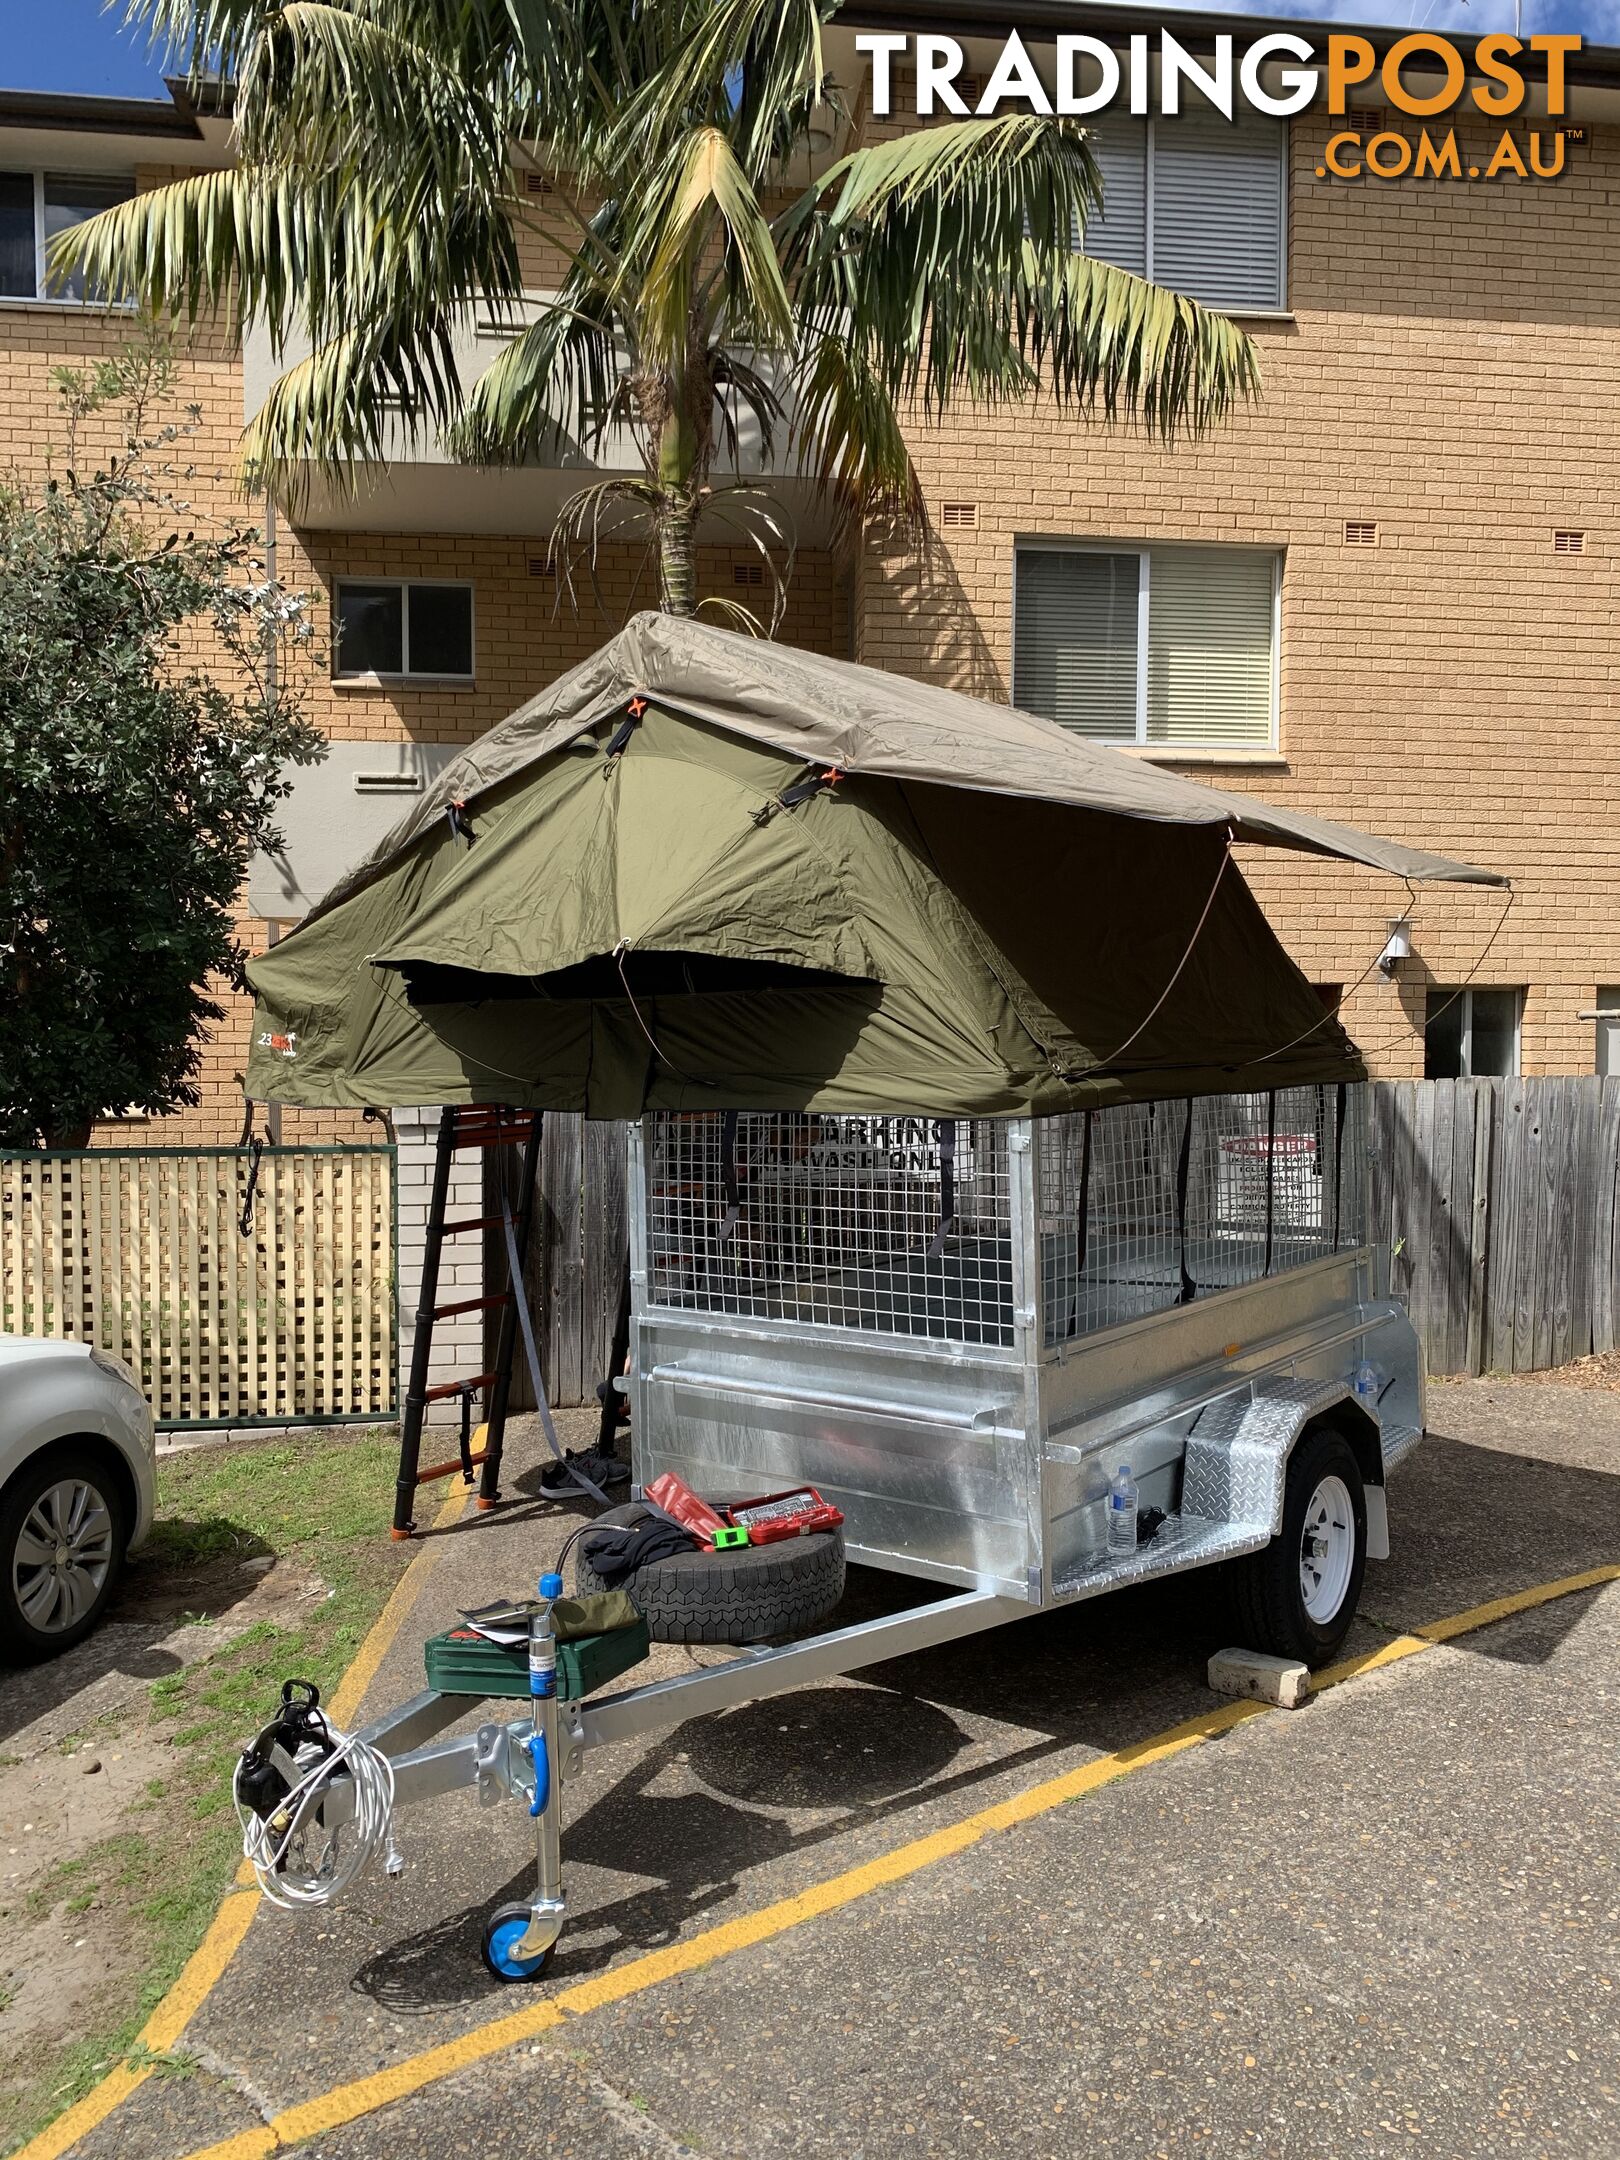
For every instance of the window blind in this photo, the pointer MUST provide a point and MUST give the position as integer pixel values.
(1217, 220)
(1117, 233)
(1074, 640)
(1210, 646)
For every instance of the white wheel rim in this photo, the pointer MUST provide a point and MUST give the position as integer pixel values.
(1327, 1550)
(61, 1559)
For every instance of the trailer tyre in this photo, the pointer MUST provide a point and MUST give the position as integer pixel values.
(1297, 1597)
(502, 1934)
(746, 1596)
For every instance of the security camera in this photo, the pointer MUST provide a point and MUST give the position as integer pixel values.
(1397, 947)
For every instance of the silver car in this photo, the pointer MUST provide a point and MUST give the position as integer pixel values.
(76, 1489)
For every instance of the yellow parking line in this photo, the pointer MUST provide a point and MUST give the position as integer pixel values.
(219, 1945)
(344, 2104)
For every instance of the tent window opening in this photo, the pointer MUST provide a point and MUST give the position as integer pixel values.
(1471, 1034)
(34, 208)
(1195, 202)
(402, 628)
(1164, 645)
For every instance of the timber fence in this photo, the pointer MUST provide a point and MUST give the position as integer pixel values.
(143, 1253)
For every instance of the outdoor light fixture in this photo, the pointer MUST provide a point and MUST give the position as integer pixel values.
(1397, 947)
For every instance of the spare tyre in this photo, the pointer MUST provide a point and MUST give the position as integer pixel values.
(745, 1596)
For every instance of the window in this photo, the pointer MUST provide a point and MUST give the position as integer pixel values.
(1150, 645)
(1471, 1034)
(34, 208)
(400, 628)
(1195, 202)
(1608, 1030)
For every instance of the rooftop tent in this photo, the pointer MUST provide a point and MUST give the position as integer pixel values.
(705, 872)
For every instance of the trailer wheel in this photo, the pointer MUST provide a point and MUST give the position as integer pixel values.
(745, 1596)
(502, 1934)
(1297, 1597)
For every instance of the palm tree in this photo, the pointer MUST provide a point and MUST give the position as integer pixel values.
(381, 198)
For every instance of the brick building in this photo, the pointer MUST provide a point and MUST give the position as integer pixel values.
(1386, 593)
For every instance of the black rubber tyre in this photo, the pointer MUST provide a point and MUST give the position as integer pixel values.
(745, 1596)
(502, 1929)
(1267, 1591)
(66, 1464)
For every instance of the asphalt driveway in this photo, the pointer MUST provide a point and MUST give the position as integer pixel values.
(1388, 1922)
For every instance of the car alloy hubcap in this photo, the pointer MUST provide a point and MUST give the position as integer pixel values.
(63, 1554)
(1327, 1549)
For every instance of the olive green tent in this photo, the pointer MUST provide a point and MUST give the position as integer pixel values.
(701, 871)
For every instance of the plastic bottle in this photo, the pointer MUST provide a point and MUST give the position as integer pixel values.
(1122, 1514)
(1366, 1383)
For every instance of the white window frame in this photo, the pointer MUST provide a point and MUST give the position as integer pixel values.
(1048, 544)
(404, 672)
(39, 297)
(1606, 1025)
(1465, 998)
(1285, 163)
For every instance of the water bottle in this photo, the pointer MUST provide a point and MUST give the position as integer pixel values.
(1366, 1384)
(1122, 1514)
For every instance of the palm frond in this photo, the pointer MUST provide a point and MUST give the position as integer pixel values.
(347, 406)
(704, 188)
(846, 430)
(559, 377)
(944, 258)
(743, 65)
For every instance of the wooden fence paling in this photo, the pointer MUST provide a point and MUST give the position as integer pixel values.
(142, 1253)
(1504, 1199)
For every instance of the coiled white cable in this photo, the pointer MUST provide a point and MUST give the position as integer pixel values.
(268, 1843)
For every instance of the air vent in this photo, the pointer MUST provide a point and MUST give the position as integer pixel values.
(536, 183)
(1365, 119)
(1360, 532)
(959, 516)
(540, 566)
(388, 783)
(903, 91)
(1569, 543)
(748, 573)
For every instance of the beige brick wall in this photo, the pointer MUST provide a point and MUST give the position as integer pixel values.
(1452, 371)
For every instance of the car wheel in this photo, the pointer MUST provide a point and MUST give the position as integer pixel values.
(62, 1538)
(1298, 1596)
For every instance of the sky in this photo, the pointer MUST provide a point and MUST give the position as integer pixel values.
(77, 45)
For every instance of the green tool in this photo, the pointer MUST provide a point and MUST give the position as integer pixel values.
(729, 1536)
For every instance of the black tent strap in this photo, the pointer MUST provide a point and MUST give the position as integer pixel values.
(619, 740)
(1189, 1289)
(460, 829)
(811, 784)
(1271, 1174)
(947, 1186)
(728, 1174)
(1338, 1155)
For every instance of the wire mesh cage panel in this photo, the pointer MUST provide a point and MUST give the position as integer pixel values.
(1145, 1206)
(904, 1225)
(898, 1224)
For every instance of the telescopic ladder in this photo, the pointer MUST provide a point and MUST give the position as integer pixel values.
(482, 1126)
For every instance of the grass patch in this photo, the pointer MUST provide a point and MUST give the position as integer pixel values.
(321, 1504)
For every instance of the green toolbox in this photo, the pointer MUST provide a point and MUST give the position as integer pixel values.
(460, 1662)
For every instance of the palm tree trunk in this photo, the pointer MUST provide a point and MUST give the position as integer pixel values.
(677, 556)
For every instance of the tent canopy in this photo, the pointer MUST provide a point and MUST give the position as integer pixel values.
(705, 872)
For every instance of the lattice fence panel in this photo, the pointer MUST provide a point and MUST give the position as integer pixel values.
(143, 1253)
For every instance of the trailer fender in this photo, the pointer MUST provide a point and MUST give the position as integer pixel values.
(1237, 1453)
